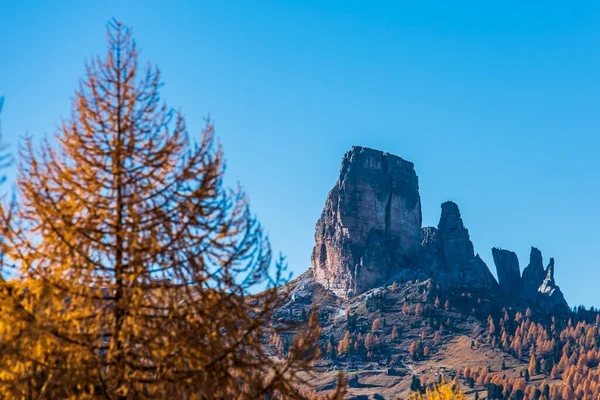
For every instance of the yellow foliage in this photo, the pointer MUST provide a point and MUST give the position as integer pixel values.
(441, 392)
(133, 265)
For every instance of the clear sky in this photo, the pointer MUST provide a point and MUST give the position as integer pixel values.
(497, 105)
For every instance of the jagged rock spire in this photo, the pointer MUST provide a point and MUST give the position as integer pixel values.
(509, 273)
(370, 225)
(550, 271)
(456, 250)
(370, 231)
(533, 275)
(536, 287)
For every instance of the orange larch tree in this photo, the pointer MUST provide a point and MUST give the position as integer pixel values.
(134, 265)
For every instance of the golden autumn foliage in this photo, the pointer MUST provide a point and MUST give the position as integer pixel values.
(531, 367)
(344, 344)
(566, 352)
(132, 264)
(376, 325)
(419, 310)
(442, 392)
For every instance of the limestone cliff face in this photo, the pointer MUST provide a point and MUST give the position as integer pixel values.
(536, 287)
(533, 275)
(370, 225)
(370, 232)
(429, 242)
(460, 263)
(547, 294)
(509, 273)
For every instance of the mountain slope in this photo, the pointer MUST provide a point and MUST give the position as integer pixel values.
(402, 305)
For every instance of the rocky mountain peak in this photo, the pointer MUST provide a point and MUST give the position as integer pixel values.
(455, 243)
(536, 287)
(550, 271)
(450, 219)
(535, 270)
(370, 232)
(370, 225)
(548, 285)
(460, 263)
(509, 273)
(533, 275)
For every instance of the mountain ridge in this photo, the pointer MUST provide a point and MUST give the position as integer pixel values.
(401, 304)
(370, 231)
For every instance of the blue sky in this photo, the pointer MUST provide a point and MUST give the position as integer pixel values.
(497, 105)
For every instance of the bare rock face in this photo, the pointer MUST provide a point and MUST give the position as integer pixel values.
(509, 274)
(539, 287)
(370, 232)
(549, 295)
(370, 226)
(430, 246)
(548, 286)
(429, 241)
(457, 252)
(533, 275)
(430, 257)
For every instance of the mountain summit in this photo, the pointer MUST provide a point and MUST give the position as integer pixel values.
(370, 226)
(370, 233)
(401, 305)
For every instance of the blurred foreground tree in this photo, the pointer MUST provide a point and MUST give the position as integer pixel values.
(134, 263)
(5, 158)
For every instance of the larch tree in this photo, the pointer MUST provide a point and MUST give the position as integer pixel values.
(413, 350)
(134, 264)
(419, 310)
(4, 154)
(376, 325)
(532, 365)
(369, 341)
(344, 344)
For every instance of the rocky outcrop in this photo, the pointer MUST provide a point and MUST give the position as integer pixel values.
(447, 252)
(456, 250)
(533, 276)
(550, 297)
(509, 273)
(370, 225)
(430, 257)
(548, 286)
(536, 287)
(428, 240)
(370, 232)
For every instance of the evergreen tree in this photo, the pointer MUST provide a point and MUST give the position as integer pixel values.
(546, 391)
(415, 384)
